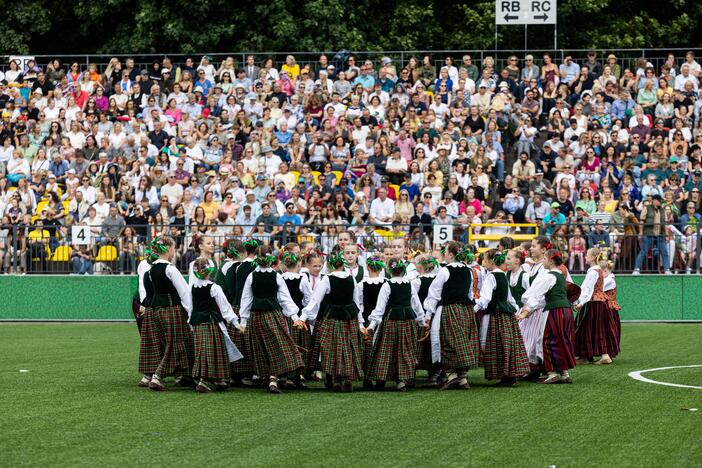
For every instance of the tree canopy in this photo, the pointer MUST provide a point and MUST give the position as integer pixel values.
(180, 26)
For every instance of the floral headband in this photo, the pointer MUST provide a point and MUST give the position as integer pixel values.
(231, 250)
(375, 264)
(158, 246)
(429, 263)
(265, 260)
(204, 273)
(336, 259)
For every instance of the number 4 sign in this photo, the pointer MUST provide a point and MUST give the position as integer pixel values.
(80, 235)
(443, 233)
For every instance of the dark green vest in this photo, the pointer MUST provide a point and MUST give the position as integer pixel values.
(359, 274)
(264, 287)
(499, 302)
(457, 287)
(424, 283)
(149, 288)
(370, 298)
(294, 289)
(243, 270)
(399, 305)
(229, 283)
(165, 294)
(557, 296)
(516, 290)
(205, 308)
(339, 301)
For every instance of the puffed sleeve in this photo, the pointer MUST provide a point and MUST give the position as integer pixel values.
(182, 287)
(246, 301)
(306, 288)
(588, 286)
(142, 269)
(312, 309)
(290, 309)
(435, 289)
(488, 286)
(224, 306)
(376, 317)
(540, 286)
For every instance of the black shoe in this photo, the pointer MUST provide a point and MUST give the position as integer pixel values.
(506, 382)
(347, 386)
(328, 381)
(367, 385)
(379, 385)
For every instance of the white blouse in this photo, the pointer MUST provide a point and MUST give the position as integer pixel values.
(376, 317)
(533, 297)
(289, 307)
(487, 288)
(437, 287)
(305, 285)
(142, 269)
(172, 273)
(322, 289)
(217, 294)
(587, 289)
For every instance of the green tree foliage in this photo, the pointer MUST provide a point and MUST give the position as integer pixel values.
(135, 26)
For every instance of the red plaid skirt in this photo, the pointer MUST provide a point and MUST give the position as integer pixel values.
(341, 348)
(394, 355)
(175, 333)
(598, 331)
(152, 343)
(313, 356)
(242, 341)
(211, 359)
(274, 351)
(505, 355)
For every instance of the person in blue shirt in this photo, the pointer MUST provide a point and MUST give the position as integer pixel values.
(59, 167)
(690, 217)
(365, 79)
(412, 189)
(553, 219)
(203, 83)
(621, 105)
(290, 216)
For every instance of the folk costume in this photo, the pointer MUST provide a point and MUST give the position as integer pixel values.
(597, 330)
(141, 293)
(265, 302)
(214, 350)
(368, 292)
(396, 347)
(610, 289)
(150, 344)
(532, 327)
(504, 355)
(301, 293)
(338, 335)
(235, 278)
(172, 306)
(455, 334)
(549, 289)
(422, 283)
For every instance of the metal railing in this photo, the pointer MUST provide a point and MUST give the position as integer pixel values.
(625, 57)
(24, 249)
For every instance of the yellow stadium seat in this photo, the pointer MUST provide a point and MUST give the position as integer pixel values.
(338, 175)
(107, 253)
(296, 174)
(40, 206)
(62, 254)
(66, 204)
(316, 175)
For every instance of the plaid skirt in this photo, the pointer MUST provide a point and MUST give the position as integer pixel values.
(394, 355)
(597, 331)
(313, 356)
(459, 333)
(424, 361)
(505, 355)
(367, 350)
(274, 351)
(243, 343)
(175, 333)
(559, 354)
(302, 339)
(211, 359)
(152, 343)
(341, 348)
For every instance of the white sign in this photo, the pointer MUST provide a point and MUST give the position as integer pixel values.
(80, 235)
(21, 60)
(525, 12)
(443, 233)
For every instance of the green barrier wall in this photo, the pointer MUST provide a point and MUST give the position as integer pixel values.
(109, 297)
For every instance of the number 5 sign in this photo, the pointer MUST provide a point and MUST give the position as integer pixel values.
(80, 235)
(443, 233)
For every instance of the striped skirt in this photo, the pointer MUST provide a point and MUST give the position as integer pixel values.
(394, 355)
(559, 334)
(598, 331)
(302, 339)
(243, 343)
(151, 345)
(175, 334)
(341, 348)
(211, 359)
(274, 351)
(313, 356)
(505, 355)
(460, 337)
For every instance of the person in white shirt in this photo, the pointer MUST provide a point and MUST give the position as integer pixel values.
(382, 209)
(172, 190)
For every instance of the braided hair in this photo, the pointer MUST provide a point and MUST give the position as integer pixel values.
(397, 267)
(202, 269)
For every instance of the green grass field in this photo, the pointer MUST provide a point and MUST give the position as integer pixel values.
(79, 405)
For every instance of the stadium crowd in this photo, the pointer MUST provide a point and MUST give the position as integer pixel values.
(595, 153)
